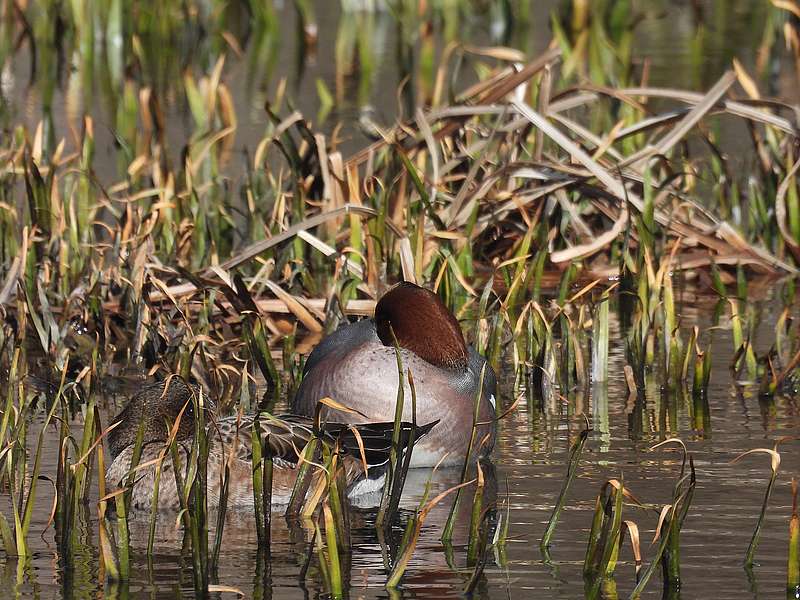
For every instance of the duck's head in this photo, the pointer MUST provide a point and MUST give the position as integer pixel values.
(422, 324)
(154, 406)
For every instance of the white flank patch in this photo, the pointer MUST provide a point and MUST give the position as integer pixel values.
(422, 456)
(366, 486)
(492, 401)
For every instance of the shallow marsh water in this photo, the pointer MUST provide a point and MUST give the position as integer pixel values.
(532, 446)
(530, 460)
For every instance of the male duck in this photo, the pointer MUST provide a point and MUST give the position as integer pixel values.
(230, 438)
(357, 367)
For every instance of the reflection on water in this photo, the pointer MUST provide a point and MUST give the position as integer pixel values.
(359, 57)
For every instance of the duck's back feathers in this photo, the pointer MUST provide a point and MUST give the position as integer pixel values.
(342, 340)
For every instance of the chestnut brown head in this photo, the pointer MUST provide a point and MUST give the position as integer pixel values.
(422, 324)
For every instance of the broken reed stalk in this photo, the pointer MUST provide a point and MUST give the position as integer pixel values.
(572, 468)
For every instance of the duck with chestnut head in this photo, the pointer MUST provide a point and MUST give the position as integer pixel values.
(357, 367)
(168, 407)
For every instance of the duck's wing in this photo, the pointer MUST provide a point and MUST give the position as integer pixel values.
(287, 435)
(375, 439)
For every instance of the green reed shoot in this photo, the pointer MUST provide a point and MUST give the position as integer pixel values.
(108, 553)
(414, 528)
(197, 495)
(154, 511)
(11, 391)
(604, 536)
(745, 356)
(447, 532)
(687, 355)
(81, 469)
(304, 476)
(399, 479)
(7, 535)
(702, 371)
(109, 560)
(122, 501)
(480, 556)
(671, 522)
(477, 534)
(256, 336)
(262, 482)
(222, 511)
(191, 490)
(793, 563)
(775, 463)
(572, 468)
(23, 505)
(384, 517)
(322, 559)
(669, 513)
(336, 503)
(332, 555)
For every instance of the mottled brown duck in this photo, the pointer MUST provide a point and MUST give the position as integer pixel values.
(157, 405)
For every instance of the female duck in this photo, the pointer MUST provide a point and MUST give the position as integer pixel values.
(230, 440)
(357, 367)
